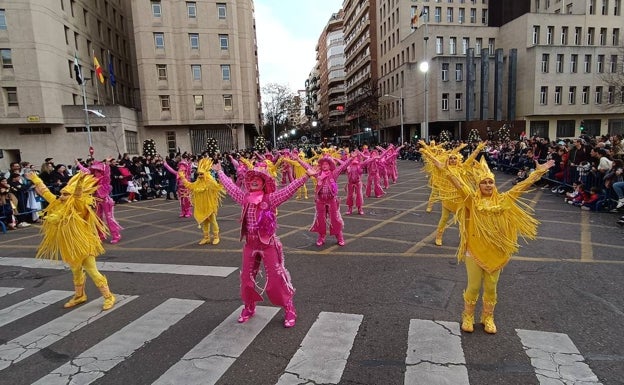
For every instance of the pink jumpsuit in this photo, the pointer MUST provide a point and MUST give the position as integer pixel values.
(184, 194)
(258, 226)
(354, 187)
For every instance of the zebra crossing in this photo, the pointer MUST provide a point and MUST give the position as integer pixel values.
(434, 350)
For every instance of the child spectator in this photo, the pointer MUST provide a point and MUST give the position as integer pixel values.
(147, 192)
(522, 174)
(590, 202)
(579, 197)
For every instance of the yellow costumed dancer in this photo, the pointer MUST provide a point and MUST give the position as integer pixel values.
(435, 150)
(206, 195)
(71, 232)
(439, 181)
(489, 224)
(298, 170)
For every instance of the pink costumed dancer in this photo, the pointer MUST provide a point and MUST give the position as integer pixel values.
(184, 194)
(258, 225)
(241, 170)
(354, 185)
(373, 164)
(326, 199)
(105, 204)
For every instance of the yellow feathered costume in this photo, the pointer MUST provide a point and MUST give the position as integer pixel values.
(71, 226)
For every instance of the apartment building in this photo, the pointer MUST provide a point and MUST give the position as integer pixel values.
(156, 94)
(539, 64)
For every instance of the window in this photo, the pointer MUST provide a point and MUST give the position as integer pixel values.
(458, 102)
(159, 40)
(549, 34)
(600, 64)
(465, 45)
(224, 41)
(598, 95)
(437, 16)
(461, 18)
(491, 47)
(616, 7)
(172, 144)
(565, 128)
(564, 35)
(5, 58)
(484, 16)
(573, 63)
(161, 70)
(156, 8)
(191, 9)
(199, 102)
(585, 95)
(473, 16)
(590, 36)
(225, 72)
(445, 70)
(543, 96)
(227, 102)
(558, 91)
(572, 95)
(605, 7)
(559, 63)
(610, 94)
(194, 40)
(613, 64)
(603, 36)
(459, 72)
(449, 15)
(615, 36)
(11, 96)
(577, 35)
(221, 11)
(439, 45)
(536, 31)
(196, 74)
(587, 64)
(164, 103)
(453, 46)
(478, 45)
(592, 7)
(545, 62)
(445, 102)
(132, 141)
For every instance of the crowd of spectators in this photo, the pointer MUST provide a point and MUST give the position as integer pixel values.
(588, 173)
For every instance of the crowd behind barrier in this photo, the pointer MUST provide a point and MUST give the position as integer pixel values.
(593, 166)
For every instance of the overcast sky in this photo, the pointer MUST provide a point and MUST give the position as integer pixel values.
(287, 32)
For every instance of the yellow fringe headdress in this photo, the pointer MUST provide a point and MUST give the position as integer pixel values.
(206, 192)
(71, 227)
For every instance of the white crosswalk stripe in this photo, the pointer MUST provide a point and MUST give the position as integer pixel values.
(44, 336)
(556, 359)
(208, 360)
(8, 290)
(155, 268)
(31, 305)
(434, 353)
(94, 362)
(324, 350)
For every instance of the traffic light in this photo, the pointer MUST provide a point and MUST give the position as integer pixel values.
(582, 126)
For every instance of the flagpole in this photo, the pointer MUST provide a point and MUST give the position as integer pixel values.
(84, 99)
(110, 65)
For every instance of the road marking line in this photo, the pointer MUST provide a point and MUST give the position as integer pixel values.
(102, 357)
(156, 268)
(31, 305)
(587, 251)
(32, 342)
(434, 354)
(8, 290)
(210, 359)
(324, 351)
(555, 358)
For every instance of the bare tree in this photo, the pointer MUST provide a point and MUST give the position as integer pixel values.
(278, 100)
(613, 77)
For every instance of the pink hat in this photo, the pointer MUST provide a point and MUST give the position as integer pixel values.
(328, 159)
(269, 182)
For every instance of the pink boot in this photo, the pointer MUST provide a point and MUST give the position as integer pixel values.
(340, 238)
(248, 312)
(290, 315)
(321, 240)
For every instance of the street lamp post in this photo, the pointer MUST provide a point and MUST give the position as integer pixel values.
(402, 138)
(424, 68)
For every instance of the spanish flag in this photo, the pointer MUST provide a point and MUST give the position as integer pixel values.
(98, 70)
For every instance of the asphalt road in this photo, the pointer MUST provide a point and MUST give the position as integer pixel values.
(567, 284)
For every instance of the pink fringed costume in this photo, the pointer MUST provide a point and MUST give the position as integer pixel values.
(373, 164)
(105, 204)
(354, 186)
(184, 194)
(258, 227)
(326, 199)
